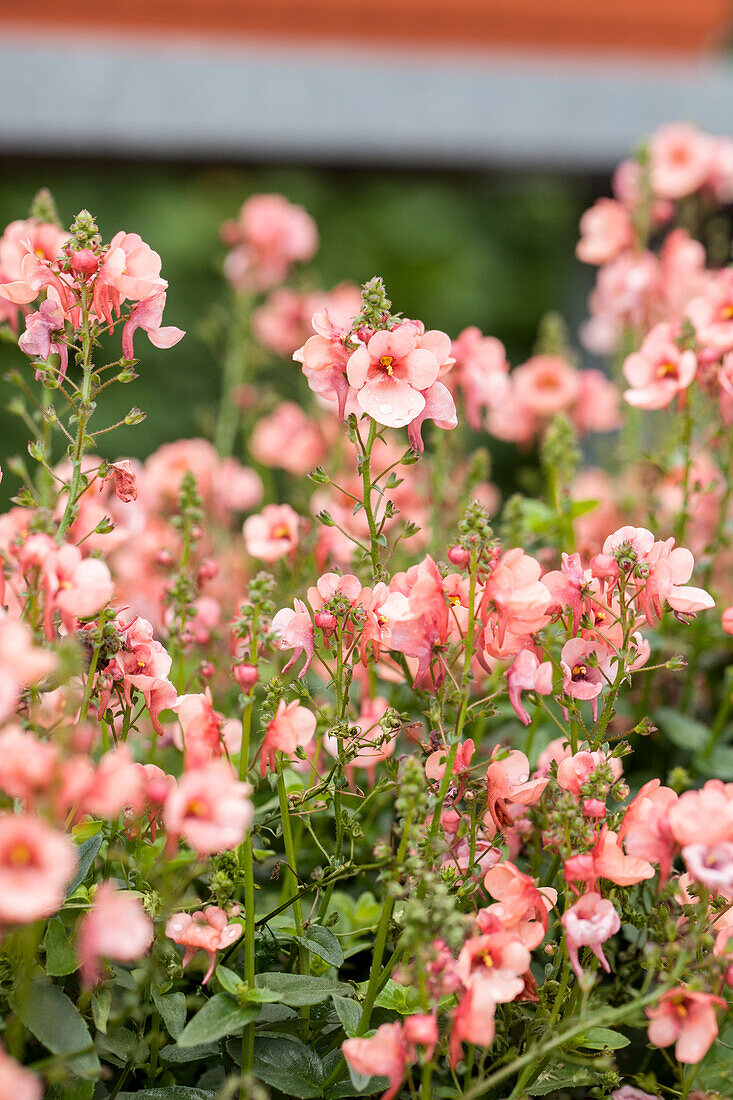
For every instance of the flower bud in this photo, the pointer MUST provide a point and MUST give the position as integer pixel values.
(83, 261)
(164, 557)
(325, 621)
(206, 670)
(457, 555)
(208, 569)
(246, 676)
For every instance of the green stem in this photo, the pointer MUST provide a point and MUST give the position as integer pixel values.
(366, 479)
(83, 414)
(291, 871)
(247, 861)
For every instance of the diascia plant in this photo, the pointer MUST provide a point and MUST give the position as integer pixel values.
(365, 783)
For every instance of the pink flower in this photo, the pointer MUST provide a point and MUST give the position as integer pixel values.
(44, 334)
(417, 615)
(573, 772)
(116, 927)
(681, 160)
(606, 231)
(77, 587)
(293, 629)
(520, 906)
(597, 406)
(527, 674)
(269, 235)
(435, 764)
(507, 783)
(659, 370)
(36, 863)
(515, 590)
(703, 816)
(646, 829)
(587, 669)
(202, 728)
(293, 726)
(497, 961)
(726, 620)
(205, 930)
(589, 923)
(144, 664)
(209, 809)
(148, 315)
(17, 1083)
(546, 384)
(288, 439)
(28, 765)
(607, 859)
(391, 371)
(385, 1053)
(712, 865)
(115, 785)
(273, 533)
(685, 1017)
(481, 371)
(324, 359)
(473, 1020)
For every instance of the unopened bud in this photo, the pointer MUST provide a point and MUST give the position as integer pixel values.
(457, 555)
(325, 621)
(246, 676)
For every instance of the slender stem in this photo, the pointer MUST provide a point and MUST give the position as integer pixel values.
(291, 872)
(247, 862)
(83, 413)
(366, 478)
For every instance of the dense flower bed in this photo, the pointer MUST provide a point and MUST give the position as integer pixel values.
(440, 804)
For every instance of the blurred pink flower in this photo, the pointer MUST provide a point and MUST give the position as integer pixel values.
(116, 927)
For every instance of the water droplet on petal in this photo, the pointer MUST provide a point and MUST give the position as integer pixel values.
(385, 407)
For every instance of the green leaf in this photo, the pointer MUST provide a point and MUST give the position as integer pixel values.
(101, 1004)
(298, 990)
(220, 1016)
(49, 1015)
(582, 507)
(682, 731)
(323, 943)
(172, 1009)
(348, 1012)
(60, 952)
(558, 1077)
(124, 1045)
(718, 764)
(175, 1055)
(86, 854)
(230, 981)
(73, 1088)
(597, 1038)
(289, 1066)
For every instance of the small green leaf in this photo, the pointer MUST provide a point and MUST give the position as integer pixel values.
(123, 1045)
(682, 731)
(718, 764)
(348, 1012)
(323, 943)
(86, 855)
(175, 1055)
(60, 952)
(101, 1004)
(220, 1016)
(172, 1009)
(597, 1038)
(298, 990)
(230, 981)
(289, 1066)
(49, 1015)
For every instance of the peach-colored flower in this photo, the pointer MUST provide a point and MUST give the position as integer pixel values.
(385, 1053)
(273, 533)
(515, 590)
(76, 587)
(685, 1017)
(17, 1083)
(527, 674)
(36, 863)
(680, 160)
(473, 1020)
(116, 927)
(292, 727)
(589, 923)
(391, 371)
(288, 439)
(507, 783)
(497, 961)
(659, 370)
(202, 728)
(606, 231)
(293, 629)
(269, 235)
(206, 930)
(587, 669)
(520, 906)
(546, 384)
(607, 859)
(574, 771)
(209, 809)
(646, 829)
(148, 316)
(28, 765)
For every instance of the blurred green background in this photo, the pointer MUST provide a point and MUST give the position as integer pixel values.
(454, 249)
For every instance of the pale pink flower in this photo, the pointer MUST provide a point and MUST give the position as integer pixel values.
(292, 727)
(607, 859)
(606, 231)
(726, 620)
(628, 1092)
(142, 663)
(273, 533)
(497, 961)
(202, 728)
(685, 1017)
(659, 370)
(589, 923)
(116, 927)
(546, 384)
(209, 809)
(269, 236)
(384, 1054)
(206, 930)
(324, 358)
(288, 439)
(473, 1020)
(36, 864)
(681, 159)
(391, 371)
(44, 334)
(148, 316)
(587, 669)
(703, 816)
(520, 906)
(76, 587)
(575, 771)
(21, 663)
(416, 615)
(712, 865)
(17, 1083)
(481, 371)
(508, 782)
(283, 322)
(28, 765)
(115, 785)
(515, 590)
(293, 629)
(527, 674)
(597, 407)
(646, 829)
(712, 316)
(436, 763)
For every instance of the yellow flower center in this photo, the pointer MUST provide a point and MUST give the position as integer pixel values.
(386, 361)
(280, 532)
(580, 672)
(666, 370)
(20, 855)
